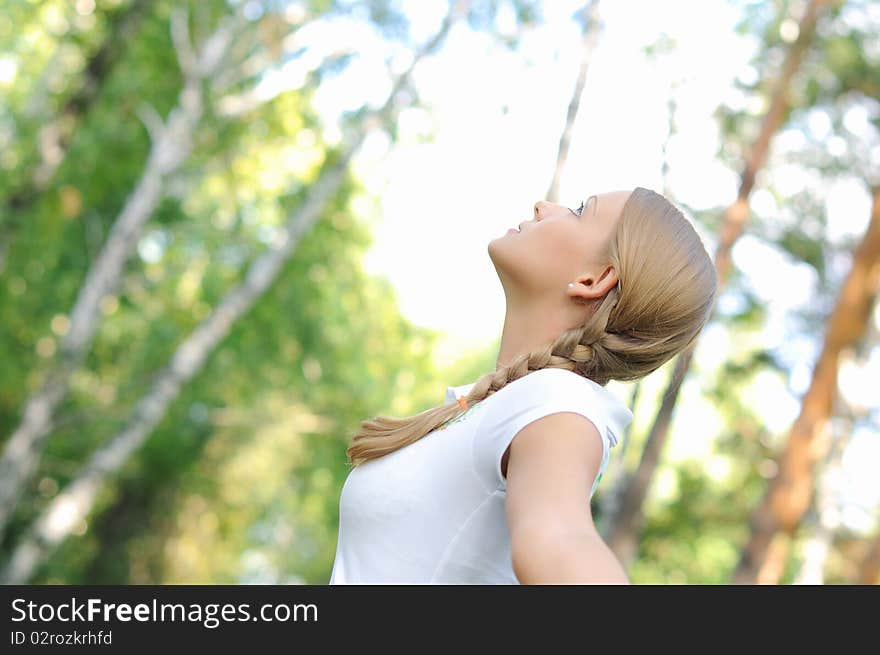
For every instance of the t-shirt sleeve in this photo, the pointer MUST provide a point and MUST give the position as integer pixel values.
(524, 401)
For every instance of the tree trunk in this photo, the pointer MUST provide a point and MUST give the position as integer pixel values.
(590, 32)
(627, 522)
(788, 494)
(826, 523)
(76, 500)
(816, 551)
(869, 569)
(625, 527)
(170, 148)
(56, 134)
(611, 499)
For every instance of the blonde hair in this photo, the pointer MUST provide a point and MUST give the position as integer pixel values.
(665, 296)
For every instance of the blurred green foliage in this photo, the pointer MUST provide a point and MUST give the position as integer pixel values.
(240, 481)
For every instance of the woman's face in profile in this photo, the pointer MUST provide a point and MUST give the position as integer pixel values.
(558, 245)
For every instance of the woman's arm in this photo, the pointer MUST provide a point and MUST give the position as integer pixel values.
(551, 466)
(566, 558)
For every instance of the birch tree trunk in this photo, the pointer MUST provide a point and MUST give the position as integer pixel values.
(56, 134)
(76, 500)
(788, 494)
(590, 31)
(171, 145)
(623, 536)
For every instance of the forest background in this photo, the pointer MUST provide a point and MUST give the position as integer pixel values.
(231, 231)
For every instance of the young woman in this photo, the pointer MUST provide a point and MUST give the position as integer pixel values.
(494, 486)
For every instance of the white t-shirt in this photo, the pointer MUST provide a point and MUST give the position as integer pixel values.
(433, 511)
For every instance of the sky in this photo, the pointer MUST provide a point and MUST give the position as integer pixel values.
(495, 118)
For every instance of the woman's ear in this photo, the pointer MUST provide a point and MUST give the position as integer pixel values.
(590, 286)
